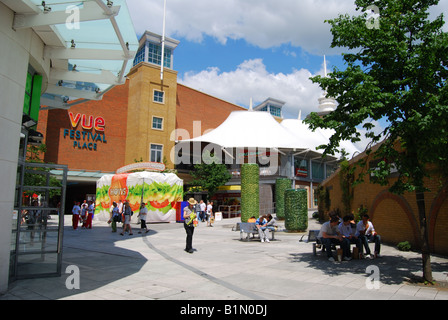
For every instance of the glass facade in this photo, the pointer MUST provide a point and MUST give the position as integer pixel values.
(140, 56)
(154, 52)
(275, 111)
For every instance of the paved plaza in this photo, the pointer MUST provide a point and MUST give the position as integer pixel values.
(154, 266)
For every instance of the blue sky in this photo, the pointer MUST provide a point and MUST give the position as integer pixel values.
(242, 49)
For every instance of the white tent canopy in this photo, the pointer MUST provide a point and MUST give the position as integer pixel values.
(255, 129)
(250, 129)
(312, 139)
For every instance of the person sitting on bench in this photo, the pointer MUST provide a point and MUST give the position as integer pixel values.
(329, 234)
(366, 233)
(348, 232)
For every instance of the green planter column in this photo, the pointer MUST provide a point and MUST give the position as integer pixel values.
(250, 191)
(296, 210)
(281, 185)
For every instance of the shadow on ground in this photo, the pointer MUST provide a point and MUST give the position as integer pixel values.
(393, 269)
(101, 256)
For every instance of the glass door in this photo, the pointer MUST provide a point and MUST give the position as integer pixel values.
(38, 221)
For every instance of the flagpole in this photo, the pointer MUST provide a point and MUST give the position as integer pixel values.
(163, 41)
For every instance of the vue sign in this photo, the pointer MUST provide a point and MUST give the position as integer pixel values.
(85, 140)
(87, 123)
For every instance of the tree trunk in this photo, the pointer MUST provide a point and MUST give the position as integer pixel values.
(426, 258)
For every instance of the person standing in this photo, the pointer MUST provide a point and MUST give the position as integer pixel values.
(189, 220)
(127, 213)
(90, 212)
(143, 214)
(202, 208)
(114, 217)
(209, 214)
(76, 211)
(84, 213)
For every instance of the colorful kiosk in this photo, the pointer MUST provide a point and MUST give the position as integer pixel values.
(161, 193)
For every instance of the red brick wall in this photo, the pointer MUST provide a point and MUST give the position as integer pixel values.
(193, 105)
(109, 155)
(395, 217)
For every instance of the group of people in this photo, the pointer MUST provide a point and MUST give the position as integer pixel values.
(344, 232)
(204, 212)
(265, 224)
(83, 213)
(122, 212)
(336, 231)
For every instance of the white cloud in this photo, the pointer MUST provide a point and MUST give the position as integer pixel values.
(251, 79)
(266, 23)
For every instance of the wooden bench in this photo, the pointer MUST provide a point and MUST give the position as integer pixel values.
(249, 228)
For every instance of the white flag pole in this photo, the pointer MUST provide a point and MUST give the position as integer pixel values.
(163, 41)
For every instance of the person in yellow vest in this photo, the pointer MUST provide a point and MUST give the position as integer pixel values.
(190, 219)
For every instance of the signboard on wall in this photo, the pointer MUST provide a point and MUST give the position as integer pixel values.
(91, 135)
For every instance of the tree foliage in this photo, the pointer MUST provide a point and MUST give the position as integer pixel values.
(395, 71)
(210, 174)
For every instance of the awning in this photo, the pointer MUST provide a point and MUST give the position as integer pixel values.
(90, 44)
(250, 129)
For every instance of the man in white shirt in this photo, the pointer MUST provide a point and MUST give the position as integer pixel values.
(142, 215)
(75, 211)
(329, 234)
(209, 214)
(366, 233)
(203, 208)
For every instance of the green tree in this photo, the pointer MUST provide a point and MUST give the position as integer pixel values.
(396, 69)
(210, 174)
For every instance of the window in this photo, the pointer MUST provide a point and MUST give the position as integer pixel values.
(158, 96)
(156, 153)
(157, 123)
(318, 170)
(140, 56)
(301, 167)
(155, 54)
(275, 111)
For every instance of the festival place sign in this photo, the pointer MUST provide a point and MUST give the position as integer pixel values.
(90, 136)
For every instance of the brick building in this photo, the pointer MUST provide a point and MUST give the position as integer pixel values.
(138, 121)
(143, 119)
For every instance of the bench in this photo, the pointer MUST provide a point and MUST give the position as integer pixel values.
(249, 228)
(313, 237)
